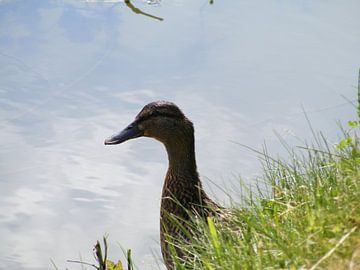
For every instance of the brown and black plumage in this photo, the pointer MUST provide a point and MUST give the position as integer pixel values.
(182, 193)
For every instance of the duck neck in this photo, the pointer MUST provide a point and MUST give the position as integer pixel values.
(182, 181)
(182, 162)
(181, 157)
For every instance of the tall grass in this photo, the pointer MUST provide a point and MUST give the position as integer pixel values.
(310, 218)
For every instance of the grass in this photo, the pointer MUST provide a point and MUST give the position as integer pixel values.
(308, 219)
(101, 257)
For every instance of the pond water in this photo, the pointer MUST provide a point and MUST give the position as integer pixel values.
(74, 72)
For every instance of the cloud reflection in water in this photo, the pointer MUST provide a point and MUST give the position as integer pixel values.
(73, 73)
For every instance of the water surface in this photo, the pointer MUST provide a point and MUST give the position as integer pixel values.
(74, 72)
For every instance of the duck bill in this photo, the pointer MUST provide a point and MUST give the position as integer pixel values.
(130, 132)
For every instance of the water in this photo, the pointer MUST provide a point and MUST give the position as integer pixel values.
(73, 72)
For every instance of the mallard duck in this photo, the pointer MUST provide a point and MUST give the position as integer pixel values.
(182, 193)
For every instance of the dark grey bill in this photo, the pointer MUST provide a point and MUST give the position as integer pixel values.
(130, 132)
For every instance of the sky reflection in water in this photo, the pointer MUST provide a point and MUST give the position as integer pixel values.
(72, 73)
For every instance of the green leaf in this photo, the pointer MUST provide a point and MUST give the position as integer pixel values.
(213, 235)
(353, 123)
(344, 143)
(110, 265)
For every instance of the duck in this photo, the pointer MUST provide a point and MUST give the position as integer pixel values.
(183, 196)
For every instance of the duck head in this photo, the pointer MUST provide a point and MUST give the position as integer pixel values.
(160, 120)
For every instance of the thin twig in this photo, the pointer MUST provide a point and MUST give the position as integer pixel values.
(54, 265)
(310, 126)
(318, 151)
(106, 250)
(331, 251)
(129, 260)
(80, 262)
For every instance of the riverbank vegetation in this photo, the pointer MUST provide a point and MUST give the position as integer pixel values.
(311, 219)
(308, 217)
